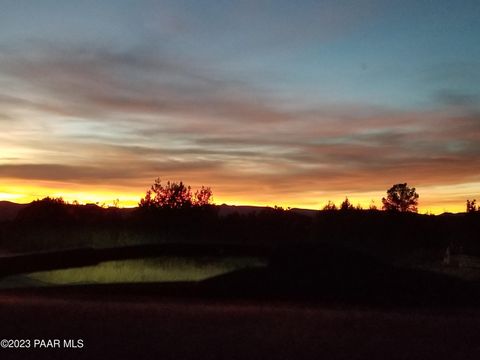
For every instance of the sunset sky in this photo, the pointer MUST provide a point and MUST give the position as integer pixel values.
(283, 102)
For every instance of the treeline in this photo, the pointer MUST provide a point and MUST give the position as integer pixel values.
(50, 224)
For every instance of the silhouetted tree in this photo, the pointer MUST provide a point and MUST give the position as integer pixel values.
(472, 206)
(401, 198)
(330, 206)
(346, 205)
(50, 201)
(175, 195)
(203, 197)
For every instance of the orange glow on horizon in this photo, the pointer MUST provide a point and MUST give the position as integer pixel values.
(432, 200)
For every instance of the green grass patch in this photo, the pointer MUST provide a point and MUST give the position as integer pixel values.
(163, 269)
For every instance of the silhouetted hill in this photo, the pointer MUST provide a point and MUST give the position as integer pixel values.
(306, 212)
(9, 210)
(247, 209)
(225, 209)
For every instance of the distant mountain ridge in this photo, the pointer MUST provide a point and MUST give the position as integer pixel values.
(248, 209)
(9, 210)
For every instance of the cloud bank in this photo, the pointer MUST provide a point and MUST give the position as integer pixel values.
(93, 115)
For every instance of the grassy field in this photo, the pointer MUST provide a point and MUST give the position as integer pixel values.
(161, 269)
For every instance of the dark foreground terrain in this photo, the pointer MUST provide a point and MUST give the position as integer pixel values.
(156, 327)
(282, 311)
(337, 285)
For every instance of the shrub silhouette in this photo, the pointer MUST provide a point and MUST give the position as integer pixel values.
(203, 197)
(346, 205)
(401, 198)
(330, 206)
(472, 206)
(175, 195)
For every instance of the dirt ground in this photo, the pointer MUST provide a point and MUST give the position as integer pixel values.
(170, 328)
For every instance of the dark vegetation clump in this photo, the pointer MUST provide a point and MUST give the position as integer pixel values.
(472, 206)
(175, 196)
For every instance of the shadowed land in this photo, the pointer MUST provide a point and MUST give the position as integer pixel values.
(171, 328)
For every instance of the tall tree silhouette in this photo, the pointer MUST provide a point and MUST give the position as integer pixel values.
(401, 198)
